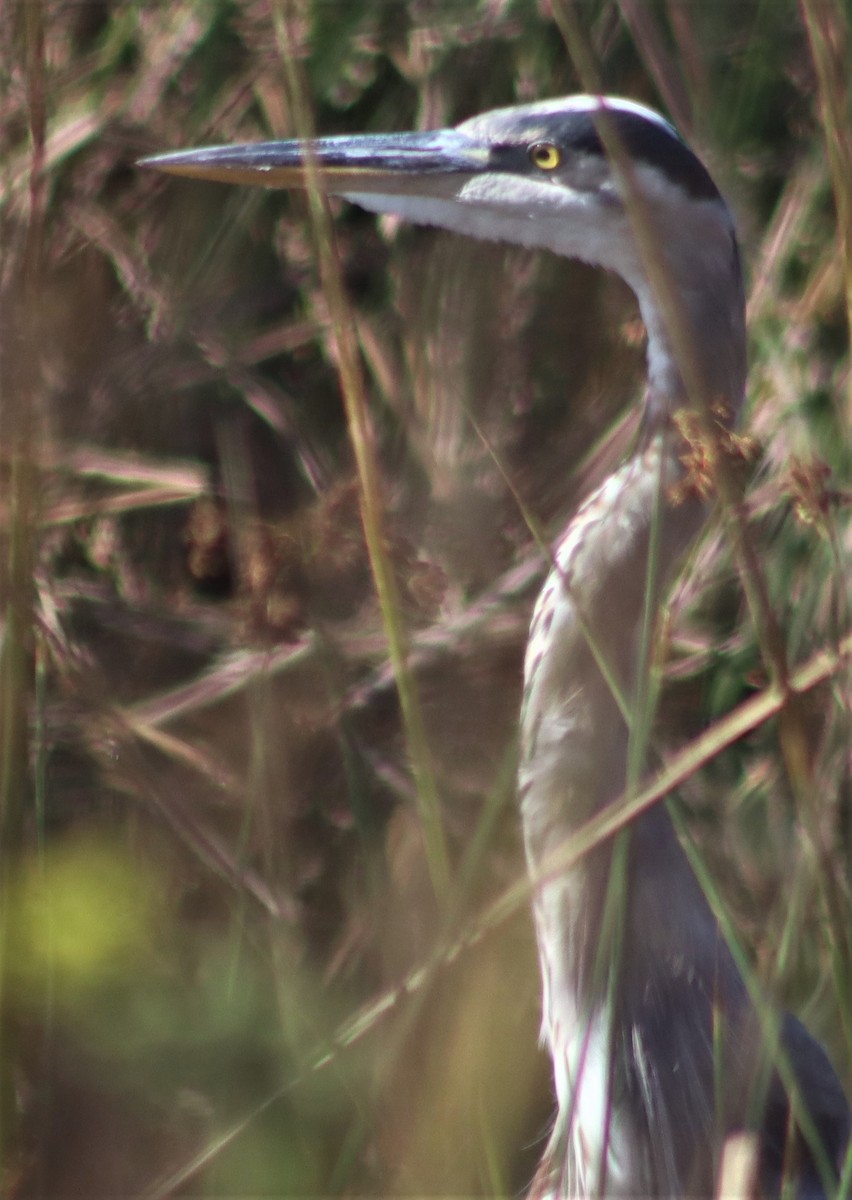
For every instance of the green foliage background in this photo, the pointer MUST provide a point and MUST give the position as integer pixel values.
(213, 877)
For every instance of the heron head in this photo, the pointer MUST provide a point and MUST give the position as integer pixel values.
(535, 174)
(580, 176)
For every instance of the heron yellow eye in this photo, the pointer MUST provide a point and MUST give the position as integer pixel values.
(546, 155)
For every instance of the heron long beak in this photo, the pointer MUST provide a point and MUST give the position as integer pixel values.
(366, 163)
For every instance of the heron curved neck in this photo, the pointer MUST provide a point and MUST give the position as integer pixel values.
(701, 362)
(575, 737)
(616, 554)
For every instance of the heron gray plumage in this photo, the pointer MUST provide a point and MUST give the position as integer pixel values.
(658, 1052)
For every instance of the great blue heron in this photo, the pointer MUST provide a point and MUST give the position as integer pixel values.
(658, 1052)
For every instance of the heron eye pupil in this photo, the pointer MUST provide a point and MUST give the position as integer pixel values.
(545, 155)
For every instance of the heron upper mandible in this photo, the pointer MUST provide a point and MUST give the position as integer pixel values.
(659, 1054)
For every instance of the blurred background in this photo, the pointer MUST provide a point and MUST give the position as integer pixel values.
(224, 967)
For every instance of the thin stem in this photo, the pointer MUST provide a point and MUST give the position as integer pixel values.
(360, 432)
(20, 397)
(665, 294)
(828, 34)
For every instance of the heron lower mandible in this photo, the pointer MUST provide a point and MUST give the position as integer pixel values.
(659, 1053)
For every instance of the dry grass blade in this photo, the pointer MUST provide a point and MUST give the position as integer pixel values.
(234, 674)
(22, 401)
(828, 33)
(354, 396)
(663, 69)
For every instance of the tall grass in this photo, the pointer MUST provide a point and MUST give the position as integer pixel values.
(226, 757)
